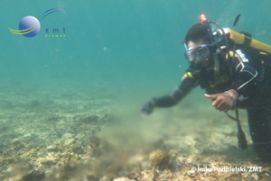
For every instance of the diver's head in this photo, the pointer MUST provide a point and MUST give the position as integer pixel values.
(198, 44)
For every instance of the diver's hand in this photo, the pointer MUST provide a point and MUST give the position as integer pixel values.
(148, 107)
(223, 101)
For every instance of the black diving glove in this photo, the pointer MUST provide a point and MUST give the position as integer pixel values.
(148, 107)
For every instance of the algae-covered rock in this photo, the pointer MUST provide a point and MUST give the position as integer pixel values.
(34, 175)
(123, 179)
(147, 175)
(160, 159)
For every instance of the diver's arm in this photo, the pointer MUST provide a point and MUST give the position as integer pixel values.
(183, 89)
(242, 88)
(189, 81)
(244, 78)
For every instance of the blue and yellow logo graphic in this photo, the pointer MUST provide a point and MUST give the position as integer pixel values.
(30, 26)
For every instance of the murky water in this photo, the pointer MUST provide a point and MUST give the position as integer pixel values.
(70, 97)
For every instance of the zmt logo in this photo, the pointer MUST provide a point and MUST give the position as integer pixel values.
(30, 26)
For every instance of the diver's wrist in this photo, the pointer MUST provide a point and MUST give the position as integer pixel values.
(233, 94)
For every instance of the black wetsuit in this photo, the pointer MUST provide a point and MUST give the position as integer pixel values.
(249, 73)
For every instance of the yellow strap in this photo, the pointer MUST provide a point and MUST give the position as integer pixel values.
(187, 75)
(230, 54)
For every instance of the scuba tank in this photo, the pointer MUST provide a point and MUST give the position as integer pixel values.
(246, 40)
(220, 36)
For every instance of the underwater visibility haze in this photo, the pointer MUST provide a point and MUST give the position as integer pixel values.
(71, 92)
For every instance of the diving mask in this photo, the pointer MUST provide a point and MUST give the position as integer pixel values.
(198, 55)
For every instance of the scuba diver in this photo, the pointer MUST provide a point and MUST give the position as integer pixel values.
(235, 71)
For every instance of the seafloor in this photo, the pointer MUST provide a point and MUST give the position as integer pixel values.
(74, 135)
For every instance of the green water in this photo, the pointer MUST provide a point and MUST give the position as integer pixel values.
(134, 44)
(116, 55)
